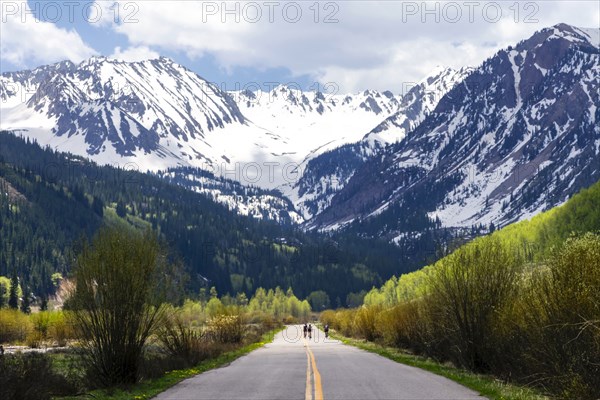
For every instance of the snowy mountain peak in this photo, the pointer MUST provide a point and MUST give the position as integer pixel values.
(327, 172)
(182, 118)
(312, 122)
(295, 100)
(518, 135)
(157, 114)
(416, 104)
(575, 34)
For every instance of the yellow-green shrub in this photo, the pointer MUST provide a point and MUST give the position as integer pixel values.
(344, 321)
(182, 341)
(61, 329)
(34, 339)
(192, 313)
(465, 292)
(226, 328)
(327, 317)
(365, 322)
(403, 325)
(41, 325)
(561, 322)
(14, 326)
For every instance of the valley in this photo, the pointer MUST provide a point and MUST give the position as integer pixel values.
(155, 225)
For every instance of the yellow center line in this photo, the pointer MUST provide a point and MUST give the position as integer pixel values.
(316, 375)
(308, 395)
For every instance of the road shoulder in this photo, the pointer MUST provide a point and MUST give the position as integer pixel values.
(488, 386)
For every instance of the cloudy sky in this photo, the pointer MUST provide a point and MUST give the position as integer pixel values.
(343, 46)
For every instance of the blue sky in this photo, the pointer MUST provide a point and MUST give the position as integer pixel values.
(350, 45)
(104, 40)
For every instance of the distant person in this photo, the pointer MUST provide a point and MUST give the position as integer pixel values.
(309, 331)
(1, 351)
(326, 330)
(305, 330)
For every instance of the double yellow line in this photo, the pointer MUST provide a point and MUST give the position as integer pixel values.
(312, 371)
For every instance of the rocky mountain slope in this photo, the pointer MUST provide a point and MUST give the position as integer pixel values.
(519, 135)
(327, 173)
(156, 115)
(464, 147)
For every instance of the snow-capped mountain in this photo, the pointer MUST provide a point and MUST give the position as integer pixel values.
(519, 135)
(327, 173)
(418, 102)
(463, 147)
(157, 115)
(314, 122)
(244, 200)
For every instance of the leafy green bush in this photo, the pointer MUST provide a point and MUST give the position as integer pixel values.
(485, 308)
(41, 327)
(61, 329)
(328, 317)
(403, 326)
(345, 321)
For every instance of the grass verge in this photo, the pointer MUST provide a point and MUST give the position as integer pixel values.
(487, 385)
(150, 388)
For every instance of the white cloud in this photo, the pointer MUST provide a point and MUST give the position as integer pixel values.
(140, 53)
(24, 39)
(374, 44)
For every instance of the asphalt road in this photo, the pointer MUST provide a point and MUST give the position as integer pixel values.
(296, 368)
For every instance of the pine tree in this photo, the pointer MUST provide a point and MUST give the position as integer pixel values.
(121, 209)
(98, 206)
(44, 303)
(2, 293)
(25, 303)
(13, 298)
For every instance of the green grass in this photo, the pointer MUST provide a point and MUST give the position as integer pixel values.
(149, 389)
(488, 386)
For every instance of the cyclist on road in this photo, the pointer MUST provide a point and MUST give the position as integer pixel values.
(305, 330)
(309, 331)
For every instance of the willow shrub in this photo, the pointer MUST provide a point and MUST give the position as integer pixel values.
(466, 293)
(32, 376)
(365, 322)
(328, 317)
(561, 320)
(226, 328)
(404, 326)
(116, 303)
(14, 326)
(483, 308)
(345, 322)
(184, 342)
(61, 329)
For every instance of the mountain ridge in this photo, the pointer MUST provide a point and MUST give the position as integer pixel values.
(157, 115)
(521, 124)
(314, 147)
